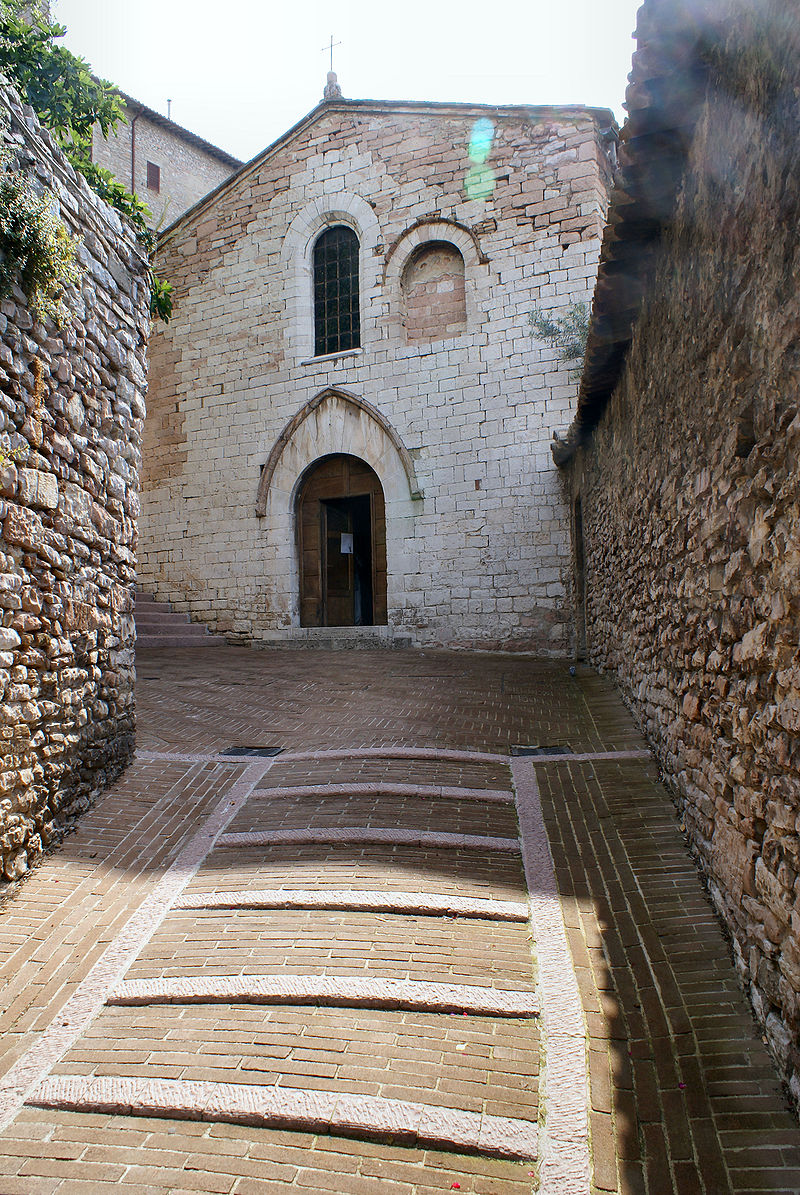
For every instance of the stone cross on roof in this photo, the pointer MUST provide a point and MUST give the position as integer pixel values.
(332, 89)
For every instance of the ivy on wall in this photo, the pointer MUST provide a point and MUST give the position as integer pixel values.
(69, 101)
(35, 247)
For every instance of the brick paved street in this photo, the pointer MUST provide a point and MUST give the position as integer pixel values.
(353, 967)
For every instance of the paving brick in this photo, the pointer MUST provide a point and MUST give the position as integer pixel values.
(652, 971)
(27, 1185)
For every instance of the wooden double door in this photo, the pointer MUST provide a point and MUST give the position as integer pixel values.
(341, 525)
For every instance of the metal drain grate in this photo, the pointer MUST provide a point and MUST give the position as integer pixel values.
(534, 750)
(258, 752)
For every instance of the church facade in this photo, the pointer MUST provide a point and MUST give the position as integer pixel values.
(349, 420)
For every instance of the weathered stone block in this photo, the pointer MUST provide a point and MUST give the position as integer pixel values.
(38, 489)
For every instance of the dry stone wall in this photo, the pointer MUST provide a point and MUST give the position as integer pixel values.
(690, 493)
(480, 555)
(71, 414)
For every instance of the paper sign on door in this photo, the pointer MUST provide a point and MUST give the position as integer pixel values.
(347, 543)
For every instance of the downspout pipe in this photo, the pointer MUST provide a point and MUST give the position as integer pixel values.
(133, 153)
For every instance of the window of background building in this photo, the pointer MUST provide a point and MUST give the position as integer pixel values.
(336, 308)
(153, 177)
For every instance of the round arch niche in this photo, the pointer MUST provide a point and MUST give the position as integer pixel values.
(432, 290)
(340, 518)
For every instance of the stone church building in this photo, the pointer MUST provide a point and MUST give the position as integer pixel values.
(349, 420)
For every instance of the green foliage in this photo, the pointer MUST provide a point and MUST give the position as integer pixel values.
(161, 299)
(567, 333)
(35, 247)
(69, 101)
(57, 84)
(104, 183)
(10, 456)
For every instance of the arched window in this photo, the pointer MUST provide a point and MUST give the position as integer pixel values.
(336, 316)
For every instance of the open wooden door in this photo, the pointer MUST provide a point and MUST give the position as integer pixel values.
(338, 571)
(341, 525)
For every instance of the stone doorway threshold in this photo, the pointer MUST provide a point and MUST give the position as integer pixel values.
(338, 638)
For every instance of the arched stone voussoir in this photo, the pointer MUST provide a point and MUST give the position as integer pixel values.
(334, 421)
(426, 230)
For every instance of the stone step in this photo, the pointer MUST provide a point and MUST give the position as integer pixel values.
(156, 618)
(155, 643)
(159, 626)
(339, 638)
(188, 630)
(152, 607)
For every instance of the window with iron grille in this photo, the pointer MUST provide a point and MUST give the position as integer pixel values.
(336, 316)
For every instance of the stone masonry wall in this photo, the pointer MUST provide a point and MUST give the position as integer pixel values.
(187, 171)
(71, 413)
(480, 555)
(690, 493)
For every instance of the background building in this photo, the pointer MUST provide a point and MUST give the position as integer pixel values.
(167, 167)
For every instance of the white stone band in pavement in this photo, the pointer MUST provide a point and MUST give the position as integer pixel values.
(356, 900)
(587, 756)
(378, 788)
(143, 756)
(364, 834)
(564, 1167)
(431, 753)
(90, 996)
(427, 753)
(341, 991)
(362, 1116)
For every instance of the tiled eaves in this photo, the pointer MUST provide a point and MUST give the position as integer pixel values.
(603, 116)
(164, 122)
(667, 88)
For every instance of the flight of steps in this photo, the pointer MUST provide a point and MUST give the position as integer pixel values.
(158, 625)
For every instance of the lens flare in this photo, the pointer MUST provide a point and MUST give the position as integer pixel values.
(480, 180)
(480, 143)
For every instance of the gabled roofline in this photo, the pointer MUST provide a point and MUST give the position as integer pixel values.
(603, 116)
(137, 107)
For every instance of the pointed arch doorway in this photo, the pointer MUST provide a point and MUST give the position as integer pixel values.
(341, 531)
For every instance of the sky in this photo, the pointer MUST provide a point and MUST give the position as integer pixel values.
(241, 72)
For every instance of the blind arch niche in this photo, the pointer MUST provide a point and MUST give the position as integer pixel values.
(433, 292)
